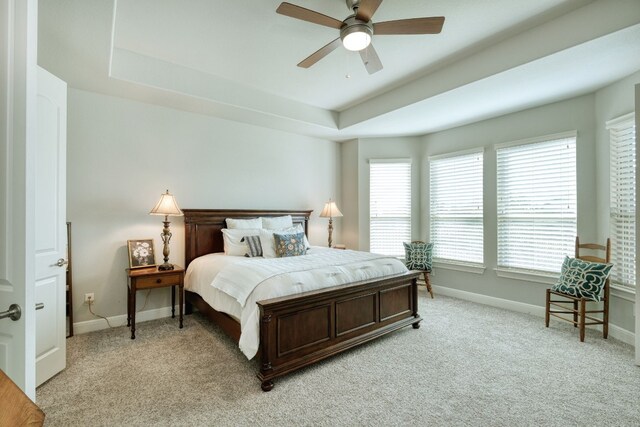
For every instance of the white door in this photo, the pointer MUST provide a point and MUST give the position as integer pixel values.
(50, 225)
(18, 52)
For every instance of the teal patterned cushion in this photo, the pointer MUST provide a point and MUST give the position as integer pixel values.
(580, 278)
(289, 244)
(418, 255)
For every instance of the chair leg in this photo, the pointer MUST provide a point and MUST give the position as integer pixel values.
(547, 307)
(575, 314)
(605, 320)
(582, 318)
(427, 282)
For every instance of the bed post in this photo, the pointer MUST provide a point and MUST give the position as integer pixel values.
(414, 289)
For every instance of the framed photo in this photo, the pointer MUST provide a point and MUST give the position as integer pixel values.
(141, 253)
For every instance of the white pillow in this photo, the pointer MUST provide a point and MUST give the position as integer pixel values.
(233, 223)
(277, 222)
(233, 244)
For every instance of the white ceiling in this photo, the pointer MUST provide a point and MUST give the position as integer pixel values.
(237, 59)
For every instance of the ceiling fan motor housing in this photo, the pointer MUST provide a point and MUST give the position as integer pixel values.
(352, 26)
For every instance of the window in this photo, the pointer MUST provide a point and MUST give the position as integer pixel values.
(389, 206)
(536, 202)
(456, 208)
(622, 223)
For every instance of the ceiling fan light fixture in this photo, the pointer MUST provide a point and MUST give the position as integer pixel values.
(356, 37)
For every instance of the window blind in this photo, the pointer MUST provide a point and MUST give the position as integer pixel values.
(456, 207)
(622, 224)
(536, 202)
(389, 206)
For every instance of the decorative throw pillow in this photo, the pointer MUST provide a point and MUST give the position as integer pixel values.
(418, 255)
(255, 248)
(581, 278)
(232, 238)
(289, 244)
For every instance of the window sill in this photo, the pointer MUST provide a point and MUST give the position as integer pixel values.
(527, 275)
(467, 268)
(623, 293)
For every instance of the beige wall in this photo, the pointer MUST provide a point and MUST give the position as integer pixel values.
(123, 154)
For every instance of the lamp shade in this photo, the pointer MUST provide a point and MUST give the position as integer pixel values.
(166, 206)
(330, 210)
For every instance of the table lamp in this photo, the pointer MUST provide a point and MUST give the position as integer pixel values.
(330, 211)
(167, 206)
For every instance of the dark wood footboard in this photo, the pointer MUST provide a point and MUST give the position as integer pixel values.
(301, 330)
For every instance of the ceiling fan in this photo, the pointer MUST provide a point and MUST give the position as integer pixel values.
(357, 29)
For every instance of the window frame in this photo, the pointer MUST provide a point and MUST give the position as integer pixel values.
(409, 219)
(618, 124)
(533, 274)
(465, 265)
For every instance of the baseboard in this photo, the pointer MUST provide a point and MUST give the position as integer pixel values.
(616, 332)
(121, 320)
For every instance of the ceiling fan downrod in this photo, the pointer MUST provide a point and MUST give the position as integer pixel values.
(353, 5)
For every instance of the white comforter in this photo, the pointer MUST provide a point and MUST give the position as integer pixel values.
(250, 280)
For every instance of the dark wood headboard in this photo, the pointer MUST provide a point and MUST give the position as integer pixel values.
(202, 227)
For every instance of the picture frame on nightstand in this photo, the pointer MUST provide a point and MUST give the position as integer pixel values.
(141, 253)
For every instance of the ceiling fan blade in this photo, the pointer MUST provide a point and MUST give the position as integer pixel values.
(370, 59)
(298, 12)
(320, 53)
(432, 25)
(366, 9)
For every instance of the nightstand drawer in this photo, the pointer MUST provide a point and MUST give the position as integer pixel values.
(158, 281)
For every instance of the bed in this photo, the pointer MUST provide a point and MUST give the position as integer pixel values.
(298, 330)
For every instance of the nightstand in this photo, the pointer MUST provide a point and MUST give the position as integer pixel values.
(150, 278)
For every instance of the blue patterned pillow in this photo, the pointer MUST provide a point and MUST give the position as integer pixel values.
(255, 248)
(289, 244)
(581, 278)
(418, 255)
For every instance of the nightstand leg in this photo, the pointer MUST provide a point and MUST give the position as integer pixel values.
(128, 305)
(133, 314)
(173, 301)
(181, 301)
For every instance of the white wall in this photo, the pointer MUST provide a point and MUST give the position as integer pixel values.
(123, 154)
(350, 207)
(380, 148)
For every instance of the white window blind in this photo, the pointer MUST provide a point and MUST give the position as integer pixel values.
(456, 208)
(622, 224)
(536, 202)
(389, 206)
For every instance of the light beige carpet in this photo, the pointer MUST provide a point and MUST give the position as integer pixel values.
(468, 364)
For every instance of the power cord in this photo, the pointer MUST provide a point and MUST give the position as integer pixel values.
(90, 302)
(97, 315)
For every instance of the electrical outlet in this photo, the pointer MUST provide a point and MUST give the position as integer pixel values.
(89, 298)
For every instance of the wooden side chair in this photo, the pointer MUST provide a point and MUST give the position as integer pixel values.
(418, 257)
(581, 283)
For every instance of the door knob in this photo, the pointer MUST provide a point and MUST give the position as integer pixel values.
(13, 313)
(60, 263)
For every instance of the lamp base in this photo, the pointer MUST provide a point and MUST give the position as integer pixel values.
(165, 266)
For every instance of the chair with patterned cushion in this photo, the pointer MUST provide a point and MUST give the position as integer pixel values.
(583, 280)
(418, 256)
